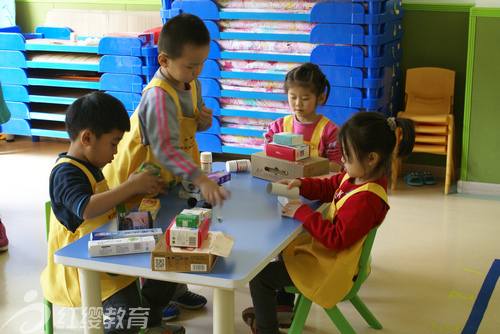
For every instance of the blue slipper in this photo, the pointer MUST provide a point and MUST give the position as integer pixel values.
(413, 179)
(427, 178)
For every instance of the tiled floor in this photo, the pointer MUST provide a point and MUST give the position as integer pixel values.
(430, 257)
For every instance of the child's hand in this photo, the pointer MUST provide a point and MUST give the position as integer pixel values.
(205, 117)
(213, 193)
(145, 182)
(290, 208)
(291, 183)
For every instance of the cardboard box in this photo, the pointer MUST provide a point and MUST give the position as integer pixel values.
(275, 169)
(287, 138)
(121, 246)
(291, 153)
(167, 258)
(187, 236)
(155, 232)
(152, 205)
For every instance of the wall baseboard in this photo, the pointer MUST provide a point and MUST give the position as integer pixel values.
(478, 188)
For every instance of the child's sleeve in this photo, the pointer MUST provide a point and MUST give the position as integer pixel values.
(330, 143)
(160, 129)
(274, 127)
(353, 221)
(70, 192)
(320, 189)
(200, 103)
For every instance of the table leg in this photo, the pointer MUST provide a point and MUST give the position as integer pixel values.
(90, 285)
(223, 311)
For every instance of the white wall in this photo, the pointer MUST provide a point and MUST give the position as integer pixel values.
(487, 3)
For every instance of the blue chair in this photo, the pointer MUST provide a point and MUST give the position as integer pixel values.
(303, 305)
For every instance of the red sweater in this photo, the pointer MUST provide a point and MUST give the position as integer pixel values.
(354, 220)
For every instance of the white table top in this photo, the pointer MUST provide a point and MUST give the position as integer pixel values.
(252, 216)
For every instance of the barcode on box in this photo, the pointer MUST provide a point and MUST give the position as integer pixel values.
(193, 242)
(198, 267)
(159, 263)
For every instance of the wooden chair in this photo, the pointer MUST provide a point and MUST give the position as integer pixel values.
(429, 96)
(303, 305)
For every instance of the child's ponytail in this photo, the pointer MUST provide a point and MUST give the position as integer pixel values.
(408, 141)
(369, 131)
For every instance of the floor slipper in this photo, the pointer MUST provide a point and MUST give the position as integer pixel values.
(413, 179)
(427, 178)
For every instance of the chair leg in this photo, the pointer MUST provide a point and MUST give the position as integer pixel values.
(365, 312)
(340, 321)
(394, 172)
(302, 307)
(450, 168)
(48, 325)
(396, 163)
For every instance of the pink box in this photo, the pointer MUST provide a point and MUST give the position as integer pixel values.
(180, 236)
(290, 153)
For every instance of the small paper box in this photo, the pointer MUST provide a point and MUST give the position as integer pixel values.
(135, 220)
(186, 195)
(189, 218)
(207, 213)
(287, 138)
(290, 153)
(187, 236)
(121, 246)
(155, 232)
(152, 205)
(202, 259)
(147, 166)
(218, 177)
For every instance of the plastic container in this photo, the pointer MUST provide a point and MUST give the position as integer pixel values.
(206, 162)
(242, 165)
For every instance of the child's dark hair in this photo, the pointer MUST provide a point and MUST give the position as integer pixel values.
(99, 112)
(181, 30)
(372, 132)
(308, 75)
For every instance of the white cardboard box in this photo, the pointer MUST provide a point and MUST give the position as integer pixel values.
(121, 246)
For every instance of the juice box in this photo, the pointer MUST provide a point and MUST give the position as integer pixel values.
(152, 205)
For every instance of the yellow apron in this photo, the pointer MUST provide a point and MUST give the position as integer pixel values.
(316, 136)
(60, 284)
(321, 274)
(132, 153)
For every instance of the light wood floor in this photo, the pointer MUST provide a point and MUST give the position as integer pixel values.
(430, 257)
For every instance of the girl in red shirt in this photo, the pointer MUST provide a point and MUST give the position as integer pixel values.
(359, 203)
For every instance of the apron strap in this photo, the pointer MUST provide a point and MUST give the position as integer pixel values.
(81, 166)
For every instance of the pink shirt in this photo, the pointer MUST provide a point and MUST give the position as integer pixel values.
(328, 145)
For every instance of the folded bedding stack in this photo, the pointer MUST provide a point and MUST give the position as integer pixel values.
(255, 43)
